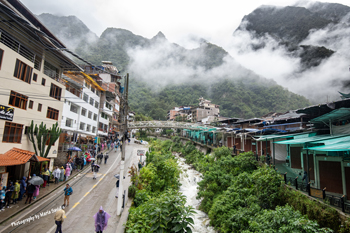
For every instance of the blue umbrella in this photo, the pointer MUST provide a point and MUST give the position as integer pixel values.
(74, 148)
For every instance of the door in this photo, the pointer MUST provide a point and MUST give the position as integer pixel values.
(295, 157)
(330, 176)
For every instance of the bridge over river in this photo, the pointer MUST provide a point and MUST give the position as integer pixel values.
(168, 124)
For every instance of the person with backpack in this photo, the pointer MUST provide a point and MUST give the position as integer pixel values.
(68, 191)
(106, 157)
(95, 169)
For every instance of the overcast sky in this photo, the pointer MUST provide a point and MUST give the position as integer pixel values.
(178, 20)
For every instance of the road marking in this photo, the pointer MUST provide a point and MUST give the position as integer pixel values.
(54, 226)
(104, 174)
(86, 194)
(75, 205)
(101, 178)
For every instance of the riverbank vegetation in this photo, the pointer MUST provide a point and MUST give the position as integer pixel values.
(241, 195)
(158, 205)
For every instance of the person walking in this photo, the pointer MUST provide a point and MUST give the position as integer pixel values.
(121, 145)
(15, 193)
(23, 186)
(67, 171)
(95, 168)
(30, 191)
(9, 190)
(67, 192)
(106, 157)
(101, 220)
(59, 218)
(62, 174)
(57, 174)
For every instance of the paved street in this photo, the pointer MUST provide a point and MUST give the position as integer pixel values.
(88, 196)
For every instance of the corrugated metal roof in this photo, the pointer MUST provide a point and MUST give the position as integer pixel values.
(335, 115)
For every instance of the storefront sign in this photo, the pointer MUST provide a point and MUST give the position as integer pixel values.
(6, 113)
(4, 177)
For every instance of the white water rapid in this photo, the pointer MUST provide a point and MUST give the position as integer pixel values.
(189, 178)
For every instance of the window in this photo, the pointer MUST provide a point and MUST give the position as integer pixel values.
(83, 112)
(96, 104)
(74, 108)
(52, 113)
(95, 117)
(23, 71)
(69, 122)
(82, 126)
(1, 55)
(40, 107)
(37, 62)
(35, 77)
(88, 128)
(108, 106)
(91, 101)
(100, 126)
(12, 132)
(97, 93)
(30, 104)
(90, 114)
(18, 100)
(86, 97)
(43, 81)
(55, 91)
(94, 129)
(92, 89)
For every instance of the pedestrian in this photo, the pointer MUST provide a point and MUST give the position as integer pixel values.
(9, 190)
(46, 175)
(96, 168)
(106, 157)
(77, 163)
(36, 192)
(62, 174)
(59, 218)
(117, 185)
(129, 141)
(23, 186)
(57, 174)
(67, 192)
(305, 178)
(115, 147)
(30, 191)
(92, 166)
(82, 162)
(15, 193)
(108, 145)
(101, 220)
(67, 171)
(140, 165)
(2, 198)
(121, 145)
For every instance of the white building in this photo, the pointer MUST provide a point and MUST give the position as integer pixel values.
(81, 107)
(31, 88)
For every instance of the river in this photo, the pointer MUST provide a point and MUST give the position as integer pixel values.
(189, 178)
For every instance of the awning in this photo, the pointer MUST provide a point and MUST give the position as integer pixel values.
(335, 115)
(307, 139)
(42, 159)
(274, 136)
(6, 160)
(343, 146)
(334, 140)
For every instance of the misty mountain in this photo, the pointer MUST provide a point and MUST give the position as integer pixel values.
(164, 74)
(68, 29)
(290, 26)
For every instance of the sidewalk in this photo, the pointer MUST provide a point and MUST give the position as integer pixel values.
(15, 209)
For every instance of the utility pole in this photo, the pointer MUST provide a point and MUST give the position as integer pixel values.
(124, 113)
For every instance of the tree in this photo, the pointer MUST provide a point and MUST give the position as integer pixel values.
(41, 137)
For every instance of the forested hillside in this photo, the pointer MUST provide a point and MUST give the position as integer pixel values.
(236, 98)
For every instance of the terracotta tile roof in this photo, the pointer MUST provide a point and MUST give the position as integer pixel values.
(42, 159)
(21, 155)
(6, 160)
